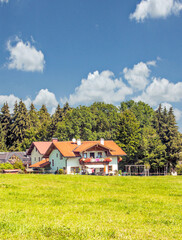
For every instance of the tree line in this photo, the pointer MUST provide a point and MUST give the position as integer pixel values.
(147, 136)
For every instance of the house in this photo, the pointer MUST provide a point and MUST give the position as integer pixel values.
(99, 157)
(12, 157)
(37, 151)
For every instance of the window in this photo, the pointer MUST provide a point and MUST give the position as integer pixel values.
(61, 156)
(85, 155)
(74, 169)
(39, 159)
(52, 162)
(110, 168)
(57, 155)
(35, 159)
(99, 154)
(92, 155)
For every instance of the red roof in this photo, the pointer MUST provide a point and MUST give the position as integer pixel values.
(70, 149)
(41, 147)
(41, 164)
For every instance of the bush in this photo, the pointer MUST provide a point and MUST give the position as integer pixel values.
(18, 165)
(6, 166)
(179, 169)
(61, 171)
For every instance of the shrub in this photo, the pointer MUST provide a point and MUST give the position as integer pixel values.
(18, 165)
(61, 171)
(179, 169)
(6, 166)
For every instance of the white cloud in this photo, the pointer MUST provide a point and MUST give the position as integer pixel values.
(177, 112)
(99, 87)
(25, 57)
(156, 9)
(45, 97)
(10, 99)
(161, 90)
(4, 1)
(27, 102)
(138, 76)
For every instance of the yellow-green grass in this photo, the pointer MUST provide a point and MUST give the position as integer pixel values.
(90, 207)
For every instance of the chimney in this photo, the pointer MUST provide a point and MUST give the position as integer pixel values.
(102, 141)
(54, 140)
(78, 142)
(73, 140)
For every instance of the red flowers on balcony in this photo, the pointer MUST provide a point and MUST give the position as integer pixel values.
(107, 159)
(95, 160)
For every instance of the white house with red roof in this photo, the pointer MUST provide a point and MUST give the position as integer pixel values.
(37, 151)
(99, 157)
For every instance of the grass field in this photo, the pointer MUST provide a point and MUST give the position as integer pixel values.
(90, 207)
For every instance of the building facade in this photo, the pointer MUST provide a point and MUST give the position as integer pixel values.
(87, 157)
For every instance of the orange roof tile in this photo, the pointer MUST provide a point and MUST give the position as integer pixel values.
(41, 164)
(70, 149)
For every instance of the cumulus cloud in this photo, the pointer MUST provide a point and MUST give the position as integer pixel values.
(177, 112)
(10, 99)
(156, 9)
(138, 76)
(4, 1)
(24, 56)
(161, 90)
(45, 97)
(99, 87)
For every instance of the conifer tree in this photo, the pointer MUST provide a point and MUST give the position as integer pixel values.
(2, 140)
(19, 125)
(45, 120)
(56, 117)
(173, 144)
(5, 120)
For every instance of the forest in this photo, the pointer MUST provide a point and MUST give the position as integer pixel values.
(147, 136)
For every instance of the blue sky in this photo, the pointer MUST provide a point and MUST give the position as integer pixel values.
(84, 51)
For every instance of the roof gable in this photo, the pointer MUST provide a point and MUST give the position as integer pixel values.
(40, 146)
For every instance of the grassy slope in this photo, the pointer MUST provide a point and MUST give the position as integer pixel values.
(89, 207)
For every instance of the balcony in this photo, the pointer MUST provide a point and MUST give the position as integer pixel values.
(95, 160)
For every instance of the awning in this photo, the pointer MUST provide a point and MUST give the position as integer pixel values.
(95, 166)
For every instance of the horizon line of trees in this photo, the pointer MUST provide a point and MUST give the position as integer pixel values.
(147, 136)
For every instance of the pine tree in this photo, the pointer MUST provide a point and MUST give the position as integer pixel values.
(19, 126)
(173, 145)
(2, 140)
(45, 120)
(5, 120)
(33, 116)
(56, 117)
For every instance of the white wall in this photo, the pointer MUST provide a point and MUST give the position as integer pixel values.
(35, 156)
(114, 163)
(72, 162)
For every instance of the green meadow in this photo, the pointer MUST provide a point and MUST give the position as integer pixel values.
(90, 207)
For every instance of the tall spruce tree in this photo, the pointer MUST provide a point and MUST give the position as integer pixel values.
(2, 140)
(19, 126)
(5, 119)
(56, 117)
(173, 145)
(45, 120)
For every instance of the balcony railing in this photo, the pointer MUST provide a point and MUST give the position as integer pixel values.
(95, 160)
